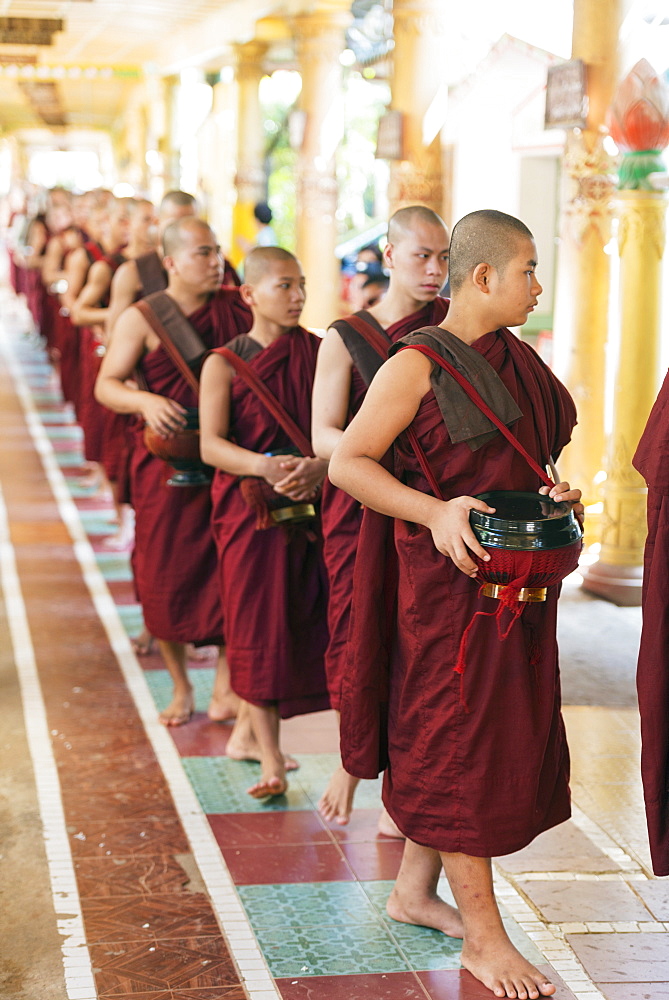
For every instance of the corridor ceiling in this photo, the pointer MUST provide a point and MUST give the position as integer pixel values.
(83, 78)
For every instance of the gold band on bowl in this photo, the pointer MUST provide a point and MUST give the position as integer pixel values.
(533, 595)
(296, 512)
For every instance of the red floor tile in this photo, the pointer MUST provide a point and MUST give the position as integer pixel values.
(457, 984)
(380, 859)
(201, 737)
(623, 958)
(214, 993)
(391, 986)
(276, 864)
(254, 829)
(127, 839)
(184, 963)
(363, 826)
(105, 877)
(148, 918)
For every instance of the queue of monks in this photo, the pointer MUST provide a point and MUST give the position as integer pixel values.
(309, 537)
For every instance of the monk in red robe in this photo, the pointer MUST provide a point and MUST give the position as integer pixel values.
(460, 778)
(652, 461)
(131, 222)
(174, 558)
(273, 581)
(144, 273)
(416, 256)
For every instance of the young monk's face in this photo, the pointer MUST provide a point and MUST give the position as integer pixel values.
(198, 262)
(418, 261)
(516, 290)
(279, 295)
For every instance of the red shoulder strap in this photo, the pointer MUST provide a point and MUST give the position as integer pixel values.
(381, 345)
(169, 345)
(482, 405)
(245, 371)
(373, 336)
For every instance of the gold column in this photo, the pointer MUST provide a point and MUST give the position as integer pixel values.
(419, 93)
(639, 120)
(617, 575)
(583, 277)
(320, 40)
(250, 177)
(166, 145)
(217, 136)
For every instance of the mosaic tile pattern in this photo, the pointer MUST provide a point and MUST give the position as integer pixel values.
(160, 685)
(114, 565)
(220, 785)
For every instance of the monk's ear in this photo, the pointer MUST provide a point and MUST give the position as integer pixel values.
(388, 252)
(481, 277)
(168, 264)
(246, 292)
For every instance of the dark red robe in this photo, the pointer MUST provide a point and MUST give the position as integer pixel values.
(174, 558)
(475, 763)
(273, 581)
(652, 461)
(342, 515)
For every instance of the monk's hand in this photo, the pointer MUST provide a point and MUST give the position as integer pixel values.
(272, 468)
(563, 491)
(304, 480)
(452, 533)
(164, 416)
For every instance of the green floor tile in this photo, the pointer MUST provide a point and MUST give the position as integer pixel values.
(330, 950)
(305, 904)
(53, 416)
(132, 619)
(66, 432)
(316, 771)
(160, 685)
(220, 784)
(99, 522)
(69, 458)
(115, 566)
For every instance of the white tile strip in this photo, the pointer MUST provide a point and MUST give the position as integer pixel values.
(548, 938)
(66, 902)
(604, 842)
(221, 888)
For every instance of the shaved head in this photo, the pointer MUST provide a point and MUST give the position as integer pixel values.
(260, 260)
(178, 199)
(177, 233)
(484, 237)
(405, 219)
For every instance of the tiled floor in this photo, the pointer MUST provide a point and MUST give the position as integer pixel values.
(165, 844)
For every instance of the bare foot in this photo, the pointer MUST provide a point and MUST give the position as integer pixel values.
(142, 643)
(223, 707)
(201, 653)
(122, 539)
(336, 801)
(265, 788)
(501, 967)
(241, 749)
(178, 711)
(388, 827)
(425, 909)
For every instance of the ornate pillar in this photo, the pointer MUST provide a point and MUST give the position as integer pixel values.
(419, 93)
(166, 146)
(250, 180)
(583, 276)
(216, 137)
(320, 39)
(640, 125)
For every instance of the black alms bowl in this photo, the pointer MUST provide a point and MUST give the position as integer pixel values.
(525, 521)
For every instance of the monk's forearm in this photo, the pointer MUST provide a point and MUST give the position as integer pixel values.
(375, 487)
(324, 440)
(229, 457)
(118, 396)
(87, 315)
